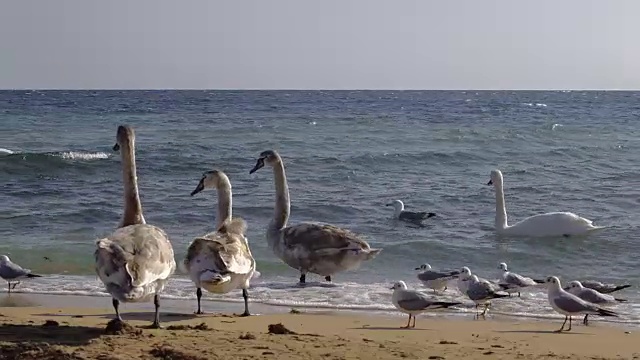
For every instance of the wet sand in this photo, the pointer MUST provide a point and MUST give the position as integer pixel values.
(41, 331)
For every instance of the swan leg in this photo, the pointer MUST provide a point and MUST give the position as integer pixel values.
(116, 307)
(585, 321)
(156, 319)
(199, 296)
(303, 278)
(245, 295)
(562, 327)
(328, 278)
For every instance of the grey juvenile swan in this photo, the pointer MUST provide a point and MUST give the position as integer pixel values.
(321, 249)
(221, 261)
(134, 262)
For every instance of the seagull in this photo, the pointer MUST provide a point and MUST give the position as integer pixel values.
(481, 292)
(12, 272)
(601, 287)
(567, 304)
(592, 296)
(413, 302)
(465, 275)
(409, 216)
(515, 282)
(436, 280)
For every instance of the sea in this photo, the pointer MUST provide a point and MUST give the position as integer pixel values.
(347, 154)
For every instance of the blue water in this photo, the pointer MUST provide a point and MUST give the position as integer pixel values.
(347, 154)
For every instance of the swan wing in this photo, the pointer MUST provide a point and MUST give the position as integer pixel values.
(322, 237)
(219, 252)
(138, 254)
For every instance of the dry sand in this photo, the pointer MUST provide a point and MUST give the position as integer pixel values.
(79, 333)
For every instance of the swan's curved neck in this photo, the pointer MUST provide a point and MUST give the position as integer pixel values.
(399, 209)
(224, 203)
(282, 207)
(132, 206)
(501, 210)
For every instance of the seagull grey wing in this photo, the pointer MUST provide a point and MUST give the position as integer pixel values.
(11, 271)
(573, 304)
(429, 275)
(413, 301)
(603, 288)
(595, 297)
(518, 280)
(479, 291)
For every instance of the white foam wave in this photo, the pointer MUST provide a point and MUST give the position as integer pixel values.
(6, 151)
(554, 126)
(76, 155)
(347, 296)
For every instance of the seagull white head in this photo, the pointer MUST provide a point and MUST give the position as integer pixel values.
(400, 285)
(496, 178)
(502, 266)
(424, 267)
(465, 273)
(553, 282)
(398, 206)
(576, 285)
(4, 259)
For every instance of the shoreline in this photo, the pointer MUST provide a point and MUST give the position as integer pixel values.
(187, 306)
(76, 328)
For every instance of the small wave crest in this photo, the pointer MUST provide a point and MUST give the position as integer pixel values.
(77, 155)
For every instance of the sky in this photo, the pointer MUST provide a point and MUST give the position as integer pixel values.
(319, 44)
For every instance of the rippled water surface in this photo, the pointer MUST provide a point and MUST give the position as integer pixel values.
(347, 154)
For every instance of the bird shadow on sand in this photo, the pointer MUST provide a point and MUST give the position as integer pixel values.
(49, 333)
(389, 328)
(129, 316)
(539, 332)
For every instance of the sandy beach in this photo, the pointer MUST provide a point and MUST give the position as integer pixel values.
(78, 332)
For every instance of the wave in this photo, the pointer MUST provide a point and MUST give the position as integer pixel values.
(48, 159)
(4, 151)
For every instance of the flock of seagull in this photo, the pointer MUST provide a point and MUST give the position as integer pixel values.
(136, 261)
(577, 298)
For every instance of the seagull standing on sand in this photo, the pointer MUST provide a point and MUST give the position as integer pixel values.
(409, 216)
(436, 280)
(13, 273)
(481, 292)
(413, 302)
(515, 282)
(570, 305)
(592, 296)
(601, 287)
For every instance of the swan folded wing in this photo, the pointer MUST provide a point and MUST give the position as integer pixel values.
(142, 251)
(220, 252)
(316, 237)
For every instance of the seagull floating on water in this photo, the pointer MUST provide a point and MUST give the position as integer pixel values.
(12, 272)
(409, 216)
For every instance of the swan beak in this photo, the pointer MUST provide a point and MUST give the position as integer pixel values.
(116, 147)
(389, 205)
(199, 188)
(259, 165)
(417, 268)
(490, 182)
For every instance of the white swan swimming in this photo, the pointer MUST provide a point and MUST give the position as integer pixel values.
(221, 261)
(321, 249)
(134, 262)
(542, 225)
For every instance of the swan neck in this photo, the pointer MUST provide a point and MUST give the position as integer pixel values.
(501, 210)
(282, 207)
(224, 203)
(132, 206)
